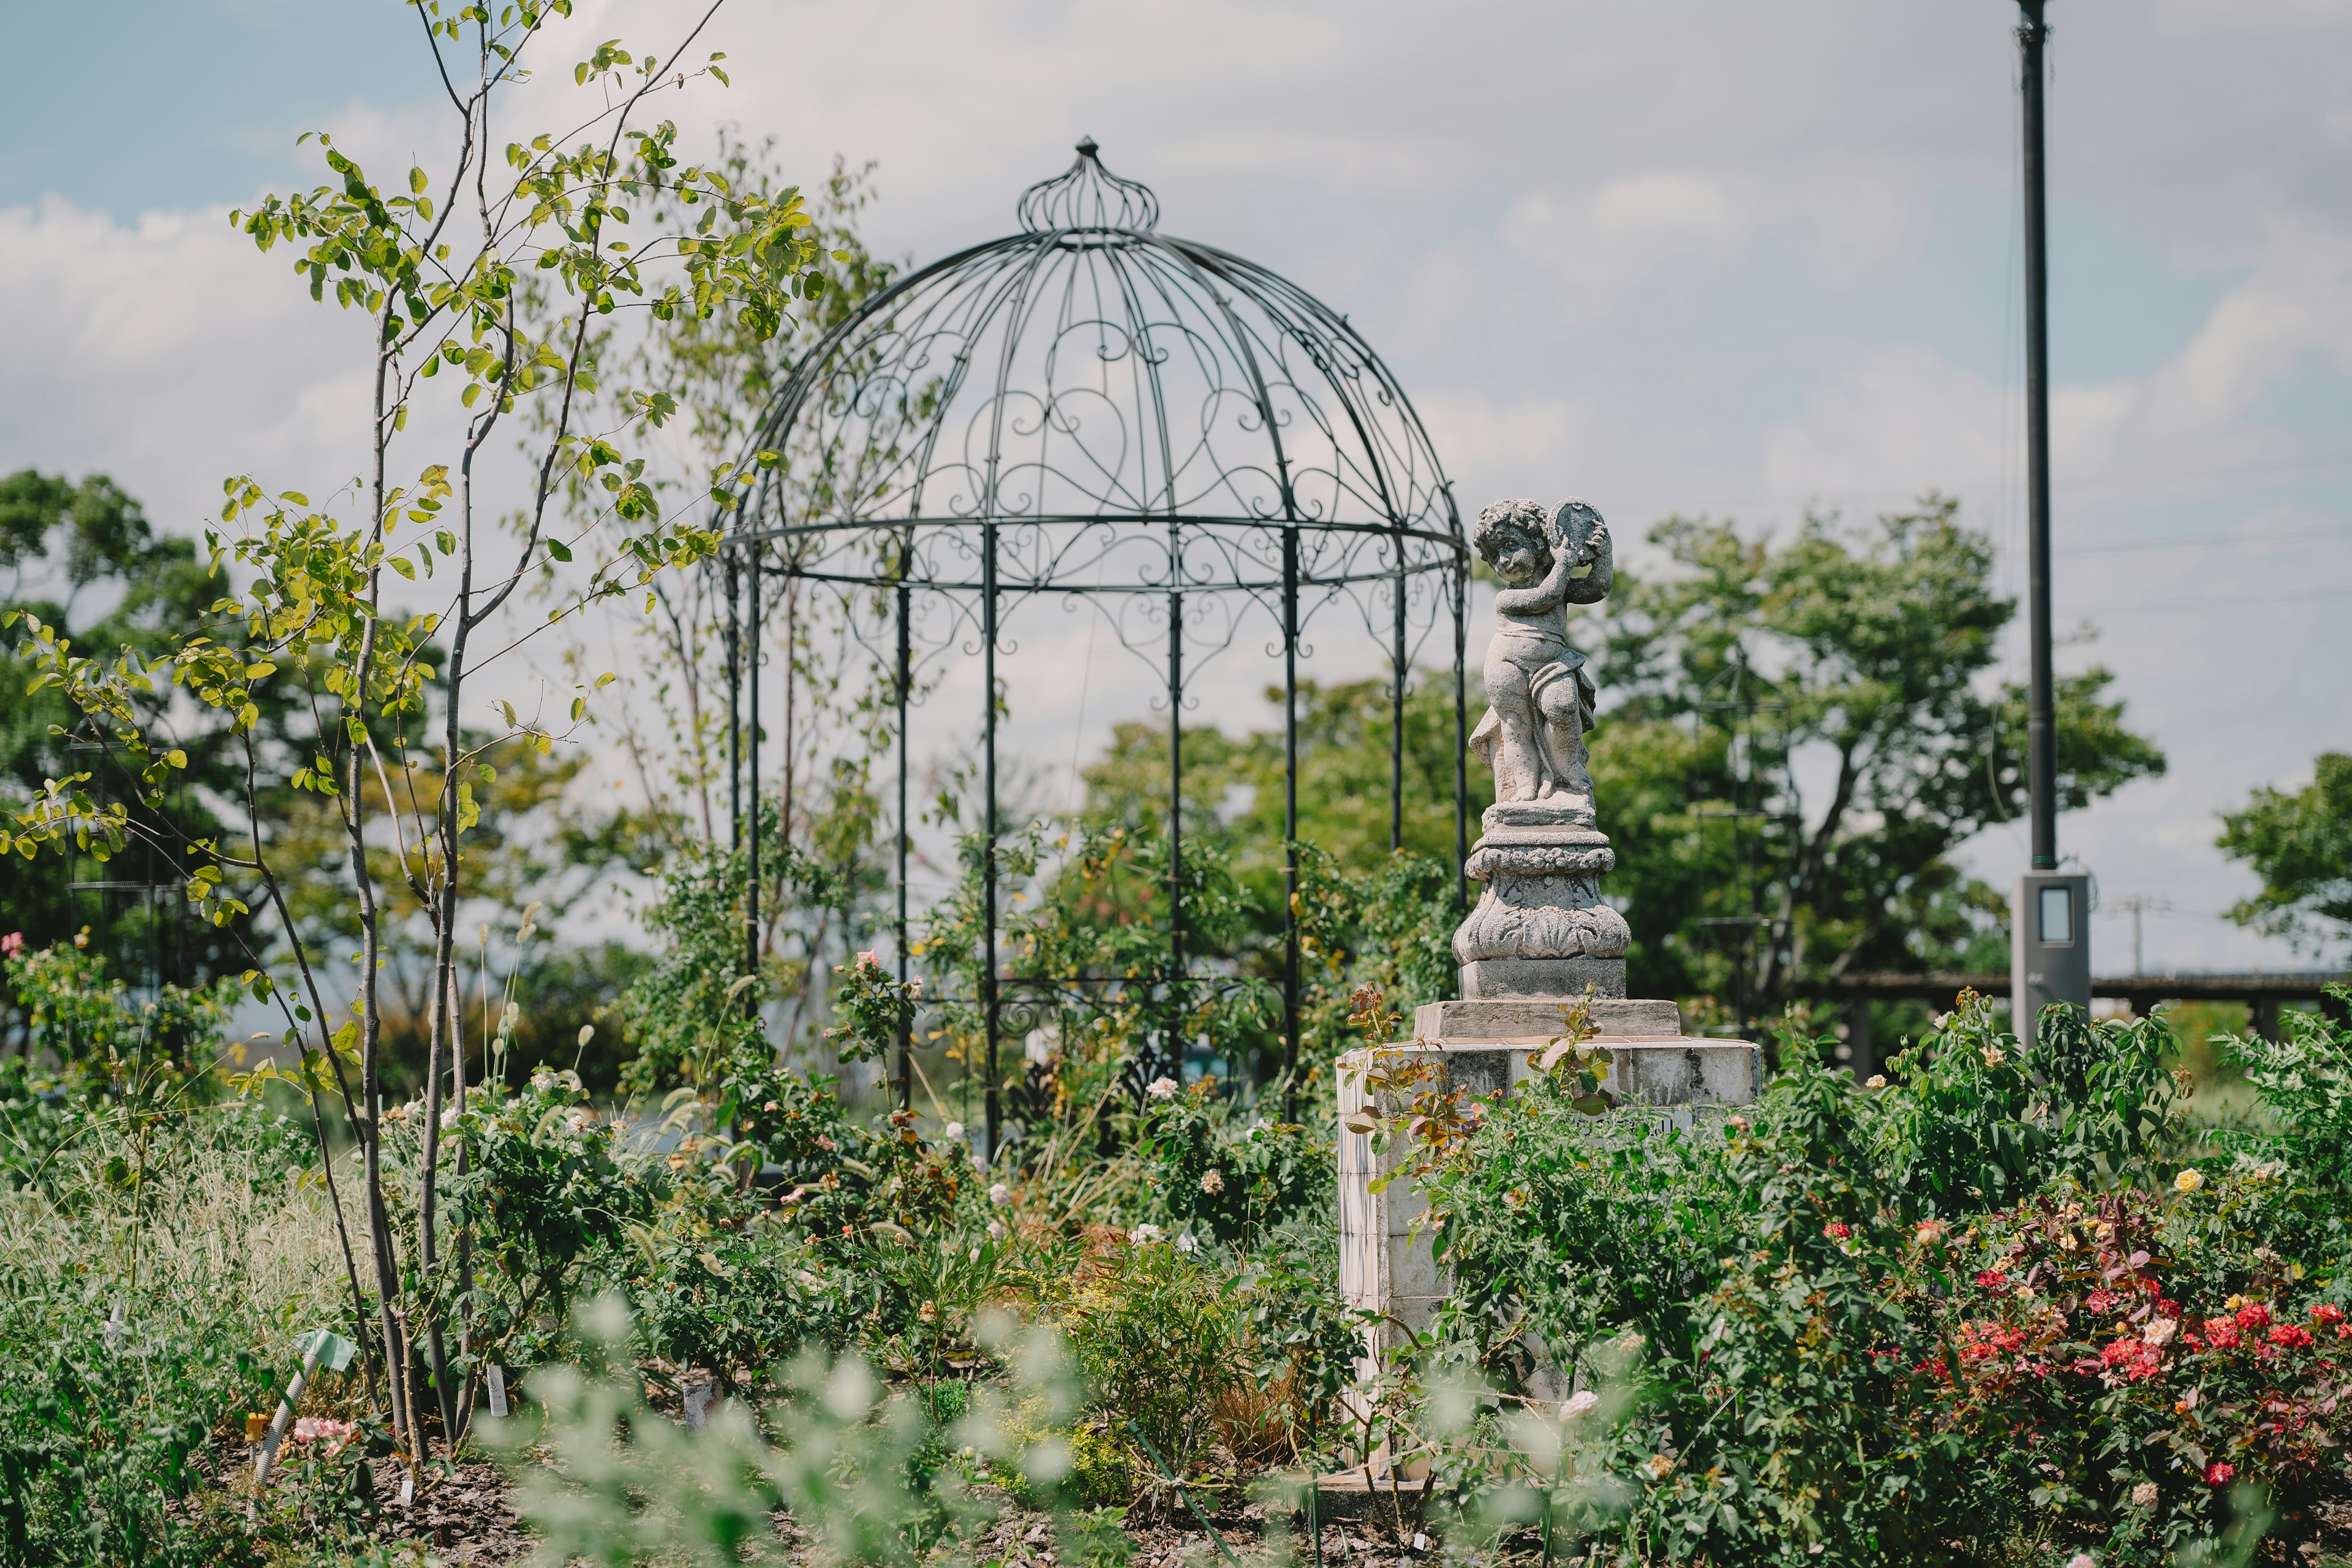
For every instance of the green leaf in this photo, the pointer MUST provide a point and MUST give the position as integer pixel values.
(400, 563)
(561, 551)
(416, 183)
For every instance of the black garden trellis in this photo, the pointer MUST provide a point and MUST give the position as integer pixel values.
(1092, 412)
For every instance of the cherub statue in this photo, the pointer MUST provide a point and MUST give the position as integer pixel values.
(1539, 698)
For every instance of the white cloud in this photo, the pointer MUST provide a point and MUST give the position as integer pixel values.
(170, 354)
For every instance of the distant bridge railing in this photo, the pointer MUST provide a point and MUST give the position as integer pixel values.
(2261, 990)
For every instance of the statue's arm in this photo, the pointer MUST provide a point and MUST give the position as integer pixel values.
(1593, 585)
(1547, 595)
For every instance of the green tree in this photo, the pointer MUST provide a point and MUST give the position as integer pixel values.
(1868, 651)
(83, 558)
(2300, 844)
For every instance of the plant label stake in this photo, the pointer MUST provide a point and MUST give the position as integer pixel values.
(319, 1345)
(498, 1391)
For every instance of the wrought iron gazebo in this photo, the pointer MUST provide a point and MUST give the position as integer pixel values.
(1092, 412)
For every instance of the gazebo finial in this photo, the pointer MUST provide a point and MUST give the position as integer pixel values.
(1087, 195)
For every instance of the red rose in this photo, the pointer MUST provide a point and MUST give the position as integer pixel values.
(1836, 1230)
(2253, 1315)
(2289, 1335)
(2218, 1474)
(2221, 1332)
(2324, 1313)
(1991, 1280)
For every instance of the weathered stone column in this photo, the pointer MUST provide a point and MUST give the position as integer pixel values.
(1486, 1046)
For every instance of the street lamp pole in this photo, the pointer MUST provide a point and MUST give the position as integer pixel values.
(2050, 933)
(2042, 732)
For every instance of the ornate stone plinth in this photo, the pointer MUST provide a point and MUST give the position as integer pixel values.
(1540, 927)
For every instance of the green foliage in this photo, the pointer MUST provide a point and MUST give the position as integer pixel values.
(99, 1044)
(158, 1266)
(870, 1476)
(2300, 844)
(65, 545)
(698, 1002)
(2305, 1083)
(1221, 1180)
(1155, 1338)
(1918, 1322)
(1870, 642)
(546, 1183)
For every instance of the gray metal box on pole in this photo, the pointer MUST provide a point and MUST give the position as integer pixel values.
(2049, 945)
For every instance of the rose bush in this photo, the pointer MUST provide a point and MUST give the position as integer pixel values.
(1985, 1303)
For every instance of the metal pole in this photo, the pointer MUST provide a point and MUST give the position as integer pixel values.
(2042, 734)
(751, 786)
(906, 672)
(1175, 827)
(1396, 713)
(1461, 733)
(734, 704)
(988, 993)
(1290, 823)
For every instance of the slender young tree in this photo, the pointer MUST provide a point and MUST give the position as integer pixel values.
(446, 271)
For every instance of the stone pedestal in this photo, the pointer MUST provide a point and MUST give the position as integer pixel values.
(1540, 927)
(1487, 1046)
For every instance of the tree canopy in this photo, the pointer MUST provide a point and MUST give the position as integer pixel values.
(2300, 844)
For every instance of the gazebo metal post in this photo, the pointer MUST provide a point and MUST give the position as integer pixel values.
(1396, 712)
(1290, 821)
(751, 781)
(905, 680)
(1175, 816)
(988, 989)
(1460, 596)
(734, 704)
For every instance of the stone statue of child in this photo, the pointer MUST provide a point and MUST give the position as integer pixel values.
(1540, 698)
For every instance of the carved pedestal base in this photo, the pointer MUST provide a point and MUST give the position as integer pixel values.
(1541, 863)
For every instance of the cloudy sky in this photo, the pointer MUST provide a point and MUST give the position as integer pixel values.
(1722, 258)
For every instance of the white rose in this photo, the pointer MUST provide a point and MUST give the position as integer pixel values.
(1145, 1234)
(1185, 1243)
(952, 1132)
(2160, 1332)
(1000, 1195)
(996, 1230)
(1579, 1404)
(1162, 1089)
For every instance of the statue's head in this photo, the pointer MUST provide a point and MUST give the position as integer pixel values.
(1513, 538)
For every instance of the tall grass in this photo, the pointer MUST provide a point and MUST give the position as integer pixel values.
(153, 1278)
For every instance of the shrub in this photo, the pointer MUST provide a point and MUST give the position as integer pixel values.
(1913, 1322)
(1228, 1183)
(1154, 1338)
